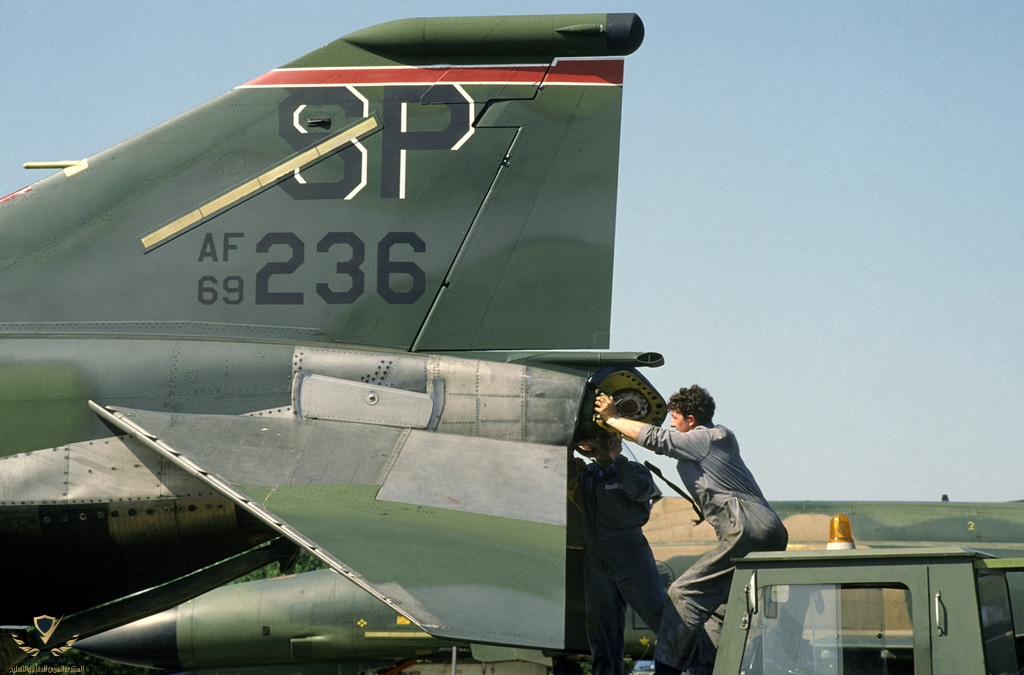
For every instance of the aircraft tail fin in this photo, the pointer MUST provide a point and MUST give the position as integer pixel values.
(430, 184)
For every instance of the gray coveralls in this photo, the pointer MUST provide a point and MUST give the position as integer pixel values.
(713, 472)
(619, 566)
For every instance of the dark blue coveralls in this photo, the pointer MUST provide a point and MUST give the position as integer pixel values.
(712, 471)
(620, 567)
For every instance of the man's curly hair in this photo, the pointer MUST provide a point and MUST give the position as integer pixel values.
(694, 401)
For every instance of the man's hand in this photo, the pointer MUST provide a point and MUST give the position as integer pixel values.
(605, 406)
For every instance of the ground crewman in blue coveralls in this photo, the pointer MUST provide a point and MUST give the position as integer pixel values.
(615, 496)
(710, 467)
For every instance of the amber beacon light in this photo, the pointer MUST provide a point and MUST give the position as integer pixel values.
(840, 533)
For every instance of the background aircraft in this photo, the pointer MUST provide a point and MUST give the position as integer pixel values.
(318, 312)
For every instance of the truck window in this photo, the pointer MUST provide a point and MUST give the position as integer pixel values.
(827, 628)
(996, 623)
(1015, 581)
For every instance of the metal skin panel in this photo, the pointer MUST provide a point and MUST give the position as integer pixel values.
(105, 470)
(46, 382)
(271, 452)
(507, 401)
(329, 398)
(48, 390)
(499, 478)
(392, 369)
(492, 399)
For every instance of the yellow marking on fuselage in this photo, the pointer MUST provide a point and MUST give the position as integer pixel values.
(249, 188)
(395, 634)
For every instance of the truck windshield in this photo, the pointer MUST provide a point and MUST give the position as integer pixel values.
(827, 628)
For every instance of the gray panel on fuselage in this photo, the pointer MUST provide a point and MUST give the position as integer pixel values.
(498, 478)
(270, 452)
(104, 470)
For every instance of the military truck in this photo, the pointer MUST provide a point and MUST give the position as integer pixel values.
(909, 610)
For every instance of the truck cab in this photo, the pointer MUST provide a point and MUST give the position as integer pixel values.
(920, 610)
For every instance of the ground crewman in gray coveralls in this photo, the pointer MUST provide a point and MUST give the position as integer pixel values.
(615, 497)
(712, 471)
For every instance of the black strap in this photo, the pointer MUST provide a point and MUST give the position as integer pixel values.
(682, 493)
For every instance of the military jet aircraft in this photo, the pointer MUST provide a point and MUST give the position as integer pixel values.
(350, 307)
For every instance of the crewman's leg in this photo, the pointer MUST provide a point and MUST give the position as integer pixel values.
(605, 619)
(636, 575)
(742, 527)
(691, 600)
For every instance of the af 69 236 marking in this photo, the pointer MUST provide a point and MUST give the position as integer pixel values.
(399, 281)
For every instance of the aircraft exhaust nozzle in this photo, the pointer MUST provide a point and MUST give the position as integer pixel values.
(625, 34)
(148, 643)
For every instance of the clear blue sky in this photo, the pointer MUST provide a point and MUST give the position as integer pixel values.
(820, 218)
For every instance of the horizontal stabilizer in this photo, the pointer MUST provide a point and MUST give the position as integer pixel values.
(471, 523)
(396, 597)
